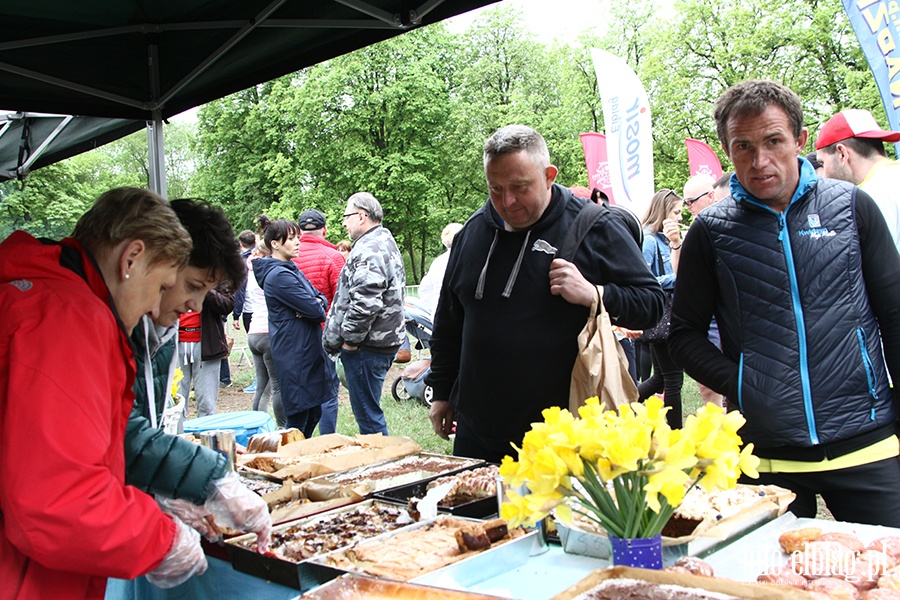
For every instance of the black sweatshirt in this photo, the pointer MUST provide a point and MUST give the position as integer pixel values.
(502, 359)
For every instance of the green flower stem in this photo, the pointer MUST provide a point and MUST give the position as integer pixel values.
(602, 505)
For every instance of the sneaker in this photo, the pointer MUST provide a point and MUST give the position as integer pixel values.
(251, 388)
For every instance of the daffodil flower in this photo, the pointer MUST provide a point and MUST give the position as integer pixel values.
(625, 469)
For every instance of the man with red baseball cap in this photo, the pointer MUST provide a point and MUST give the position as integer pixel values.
(851, 147)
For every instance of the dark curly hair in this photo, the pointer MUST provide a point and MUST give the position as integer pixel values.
(215, 246)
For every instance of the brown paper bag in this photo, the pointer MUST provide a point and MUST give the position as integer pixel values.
(601, 368)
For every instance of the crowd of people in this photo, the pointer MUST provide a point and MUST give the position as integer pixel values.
(780, 300)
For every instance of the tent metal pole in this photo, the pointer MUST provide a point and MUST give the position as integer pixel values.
(157, 155)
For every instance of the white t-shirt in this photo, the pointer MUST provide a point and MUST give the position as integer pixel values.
(430, 286)
(883, 184)
(260, 321)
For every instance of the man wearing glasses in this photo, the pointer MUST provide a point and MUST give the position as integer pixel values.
(698, 193)
(365, 322)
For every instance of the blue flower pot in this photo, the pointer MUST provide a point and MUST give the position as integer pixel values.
(643, 553)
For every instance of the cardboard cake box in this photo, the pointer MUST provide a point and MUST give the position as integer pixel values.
(305, 459)
(736, 589)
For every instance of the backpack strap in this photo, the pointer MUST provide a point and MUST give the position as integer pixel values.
(579, 228)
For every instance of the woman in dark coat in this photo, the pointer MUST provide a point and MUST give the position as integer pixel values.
(296, 311)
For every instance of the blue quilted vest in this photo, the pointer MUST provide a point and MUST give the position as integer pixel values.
(794, 314)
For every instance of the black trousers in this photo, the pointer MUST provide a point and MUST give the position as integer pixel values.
(667, 378)
(306, 420)
(867, 494)
(467, 443)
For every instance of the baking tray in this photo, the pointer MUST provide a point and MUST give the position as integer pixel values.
(474, 569)
(478, 509)
(353, 587)
(749, 556)
(773, 504)
(736, 589)
(376, 486)
(299, 575)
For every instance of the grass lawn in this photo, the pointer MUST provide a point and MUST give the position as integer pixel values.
(407, 418)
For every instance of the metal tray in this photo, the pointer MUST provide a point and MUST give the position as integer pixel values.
(478, 509)
(379, 485)
(749, 556)
(353, 587)
(466, 572)
(301, 575)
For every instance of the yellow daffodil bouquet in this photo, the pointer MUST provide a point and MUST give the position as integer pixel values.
(625, 470)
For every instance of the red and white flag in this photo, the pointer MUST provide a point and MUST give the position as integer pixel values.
(702, 159)
(594, 145)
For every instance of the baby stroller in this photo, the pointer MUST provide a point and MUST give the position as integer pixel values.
(411, 383)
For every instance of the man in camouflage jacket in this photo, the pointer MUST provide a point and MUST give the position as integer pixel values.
(365, 323)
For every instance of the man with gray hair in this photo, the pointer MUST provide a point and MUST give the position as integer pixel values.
(506, 328)
(804, 281)
(365, 323)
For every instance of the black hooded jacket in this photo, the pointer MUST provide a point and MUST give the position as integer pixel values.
(503, 345)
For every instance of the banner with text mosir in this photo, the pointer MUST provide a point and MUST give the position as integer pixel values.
(629, 143)
(875, 25)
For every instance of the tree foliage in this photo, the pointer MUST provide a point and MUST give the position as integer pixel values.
(405, 119)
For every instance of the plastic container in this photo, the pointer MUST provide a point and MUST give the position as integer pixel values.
(244, 423)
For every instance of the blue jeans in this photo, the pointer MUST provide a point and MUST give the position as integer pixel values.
(328, 423)
(365, 372)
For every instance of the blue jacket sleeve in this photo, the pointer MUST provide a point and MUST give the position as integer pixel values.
(296, 293)
(652, 251)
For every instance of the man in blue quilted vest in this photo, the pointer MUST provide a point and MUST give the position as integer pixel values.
(803, 278)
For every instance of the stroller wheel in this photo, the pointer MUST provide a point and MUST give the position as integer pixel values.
(398, 391)
(427, 396)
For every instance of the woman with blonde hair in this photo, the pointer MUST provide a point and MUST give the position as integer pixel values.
(67, 519)
(661, 247)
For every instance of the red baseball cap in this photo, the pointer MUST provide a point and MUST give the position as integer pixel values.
(853, 122)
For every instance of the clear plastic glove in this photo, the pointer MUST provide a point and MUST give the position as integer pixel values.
(184, 560)
(197, 517)
(235, 506)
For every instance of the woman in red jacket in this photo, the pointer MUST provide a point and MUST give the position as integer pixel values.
(67, 519)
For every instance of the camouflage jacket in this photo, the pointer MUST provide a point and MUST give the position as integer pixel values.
(368, 305)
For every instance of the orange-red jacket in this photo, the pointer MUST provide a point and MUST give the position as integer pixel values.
(67, 520)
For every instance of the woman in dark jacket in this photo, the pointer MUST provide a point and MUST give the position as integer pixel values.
(661, 247)
(296, 310)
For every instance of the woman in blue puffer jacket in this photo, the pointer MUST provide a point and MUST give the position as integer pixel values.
(296, 310)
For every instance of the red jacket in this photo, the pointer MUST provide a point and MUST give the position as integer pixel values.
(67, 519)
(321, 263)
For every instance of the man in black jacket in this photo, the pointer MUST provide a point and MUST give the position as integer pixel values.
(804, 281)
(509, 313)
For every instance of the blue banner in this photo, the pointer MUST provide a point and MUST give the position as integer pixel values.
(875, 25)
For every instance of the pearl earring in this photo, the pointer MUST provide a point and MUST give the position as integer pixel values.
(127, 276)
